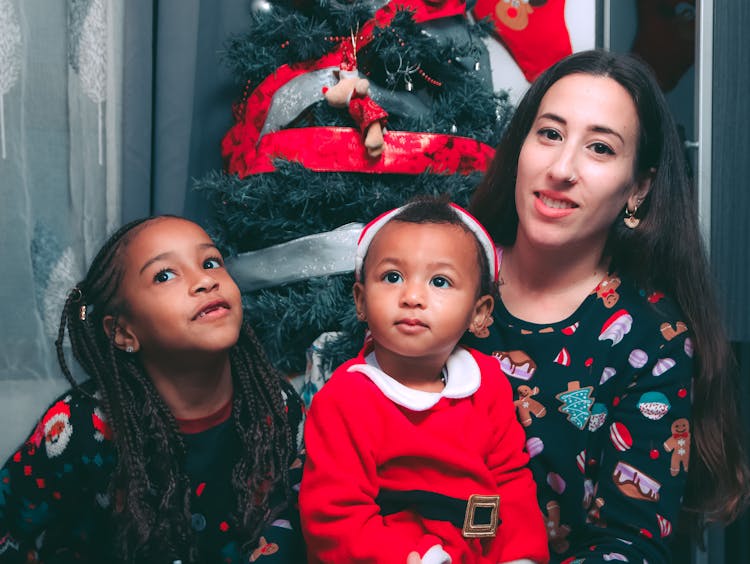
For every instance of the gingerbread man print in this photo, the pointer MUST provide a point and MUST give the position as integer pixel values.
(264, 549)
(557, 534)
(607, 291)
(670, 331)
(526, 405)
(679, 445)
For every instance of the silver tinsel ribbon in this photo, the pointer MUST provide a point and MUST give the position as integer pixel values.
(321, 254)
(295, 96)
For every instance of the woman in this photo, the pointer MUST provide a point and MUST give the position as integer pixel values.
(607, 326)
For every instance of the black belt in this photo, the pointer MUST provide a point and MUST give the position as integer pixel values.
(476, 517)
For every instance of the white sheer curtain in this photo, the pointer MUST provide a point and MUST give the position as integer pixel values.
(60, 131)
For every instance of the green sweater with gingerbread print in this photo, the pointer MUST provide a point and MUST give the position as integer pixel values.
(604, 398)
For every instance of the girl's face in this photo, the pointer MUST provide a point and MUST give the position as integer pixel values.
(178, 297)
(420, 291)
(576, 169)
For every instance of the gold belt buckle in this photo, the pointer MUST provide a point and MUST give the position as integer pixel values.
(472, 530)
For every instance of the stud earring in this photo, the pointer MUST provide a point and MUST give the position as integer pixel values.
(129, 349)
(630, 220)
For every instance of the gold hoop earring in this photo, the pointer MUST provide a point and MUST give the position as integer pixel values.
(630, 220)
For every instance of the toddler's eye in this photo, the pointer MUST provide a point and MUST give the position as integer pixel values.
(163, 276)
(440, 282)
(212, 263)
(392, 277)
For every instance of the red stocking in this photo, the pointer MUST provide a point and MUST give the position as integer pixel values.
(666, 38)
(533, 31)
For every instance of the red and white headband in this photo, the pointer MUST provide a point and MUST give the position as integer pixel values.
(371, 229)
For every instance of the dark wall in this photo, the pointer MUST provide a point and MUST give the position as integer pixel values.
(730, 193)
(730, 203)
(177, 101)
(730, 206)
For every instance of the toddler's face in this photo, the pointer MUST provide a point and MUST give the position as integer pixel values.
(420, 292)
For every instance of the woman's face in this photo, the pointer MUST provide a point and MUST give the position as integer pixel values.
(576, 169)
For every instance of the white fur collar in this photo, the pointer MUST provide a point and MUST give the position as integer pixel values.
(462, 379)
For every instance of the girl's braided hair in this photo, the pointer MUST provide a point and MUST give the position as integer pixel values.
(150, 488)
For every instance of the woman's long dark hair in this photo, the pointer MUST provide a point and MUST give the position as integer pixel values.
(665, 253)
(149, 487)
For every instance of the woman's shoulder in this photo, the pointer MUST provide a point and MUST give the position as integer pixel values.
(618, 313)
(652, 310)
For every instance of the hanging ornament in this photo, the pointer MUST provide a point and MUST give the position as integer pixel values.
(260, 6)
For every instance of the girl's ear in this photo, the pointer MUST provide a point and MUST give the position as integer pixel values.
(124, 338)
(482, 317)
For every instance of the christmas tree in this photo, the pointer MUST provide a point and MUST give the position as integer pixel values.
(422, 118)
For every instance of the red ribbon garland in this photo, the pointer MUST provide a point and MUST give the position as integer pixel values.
(340, 149)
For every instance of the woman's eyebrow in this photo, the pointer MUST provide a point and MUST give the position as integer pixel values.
(595, 128)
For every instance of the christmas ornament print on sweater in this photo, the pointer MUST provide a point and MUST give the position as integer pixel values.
(604, 399)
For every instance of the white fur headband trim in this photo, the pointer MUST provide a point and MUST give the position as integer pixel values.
(371, 229)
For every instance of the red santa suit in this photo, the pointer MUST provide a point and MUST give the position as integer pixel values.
(389, 469)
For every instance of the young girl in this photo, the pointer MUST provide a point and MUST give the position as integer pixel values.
(413, 446)
(178, 447)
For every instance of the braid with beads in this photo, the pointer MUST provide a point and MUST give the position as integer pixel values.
(150, 489)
